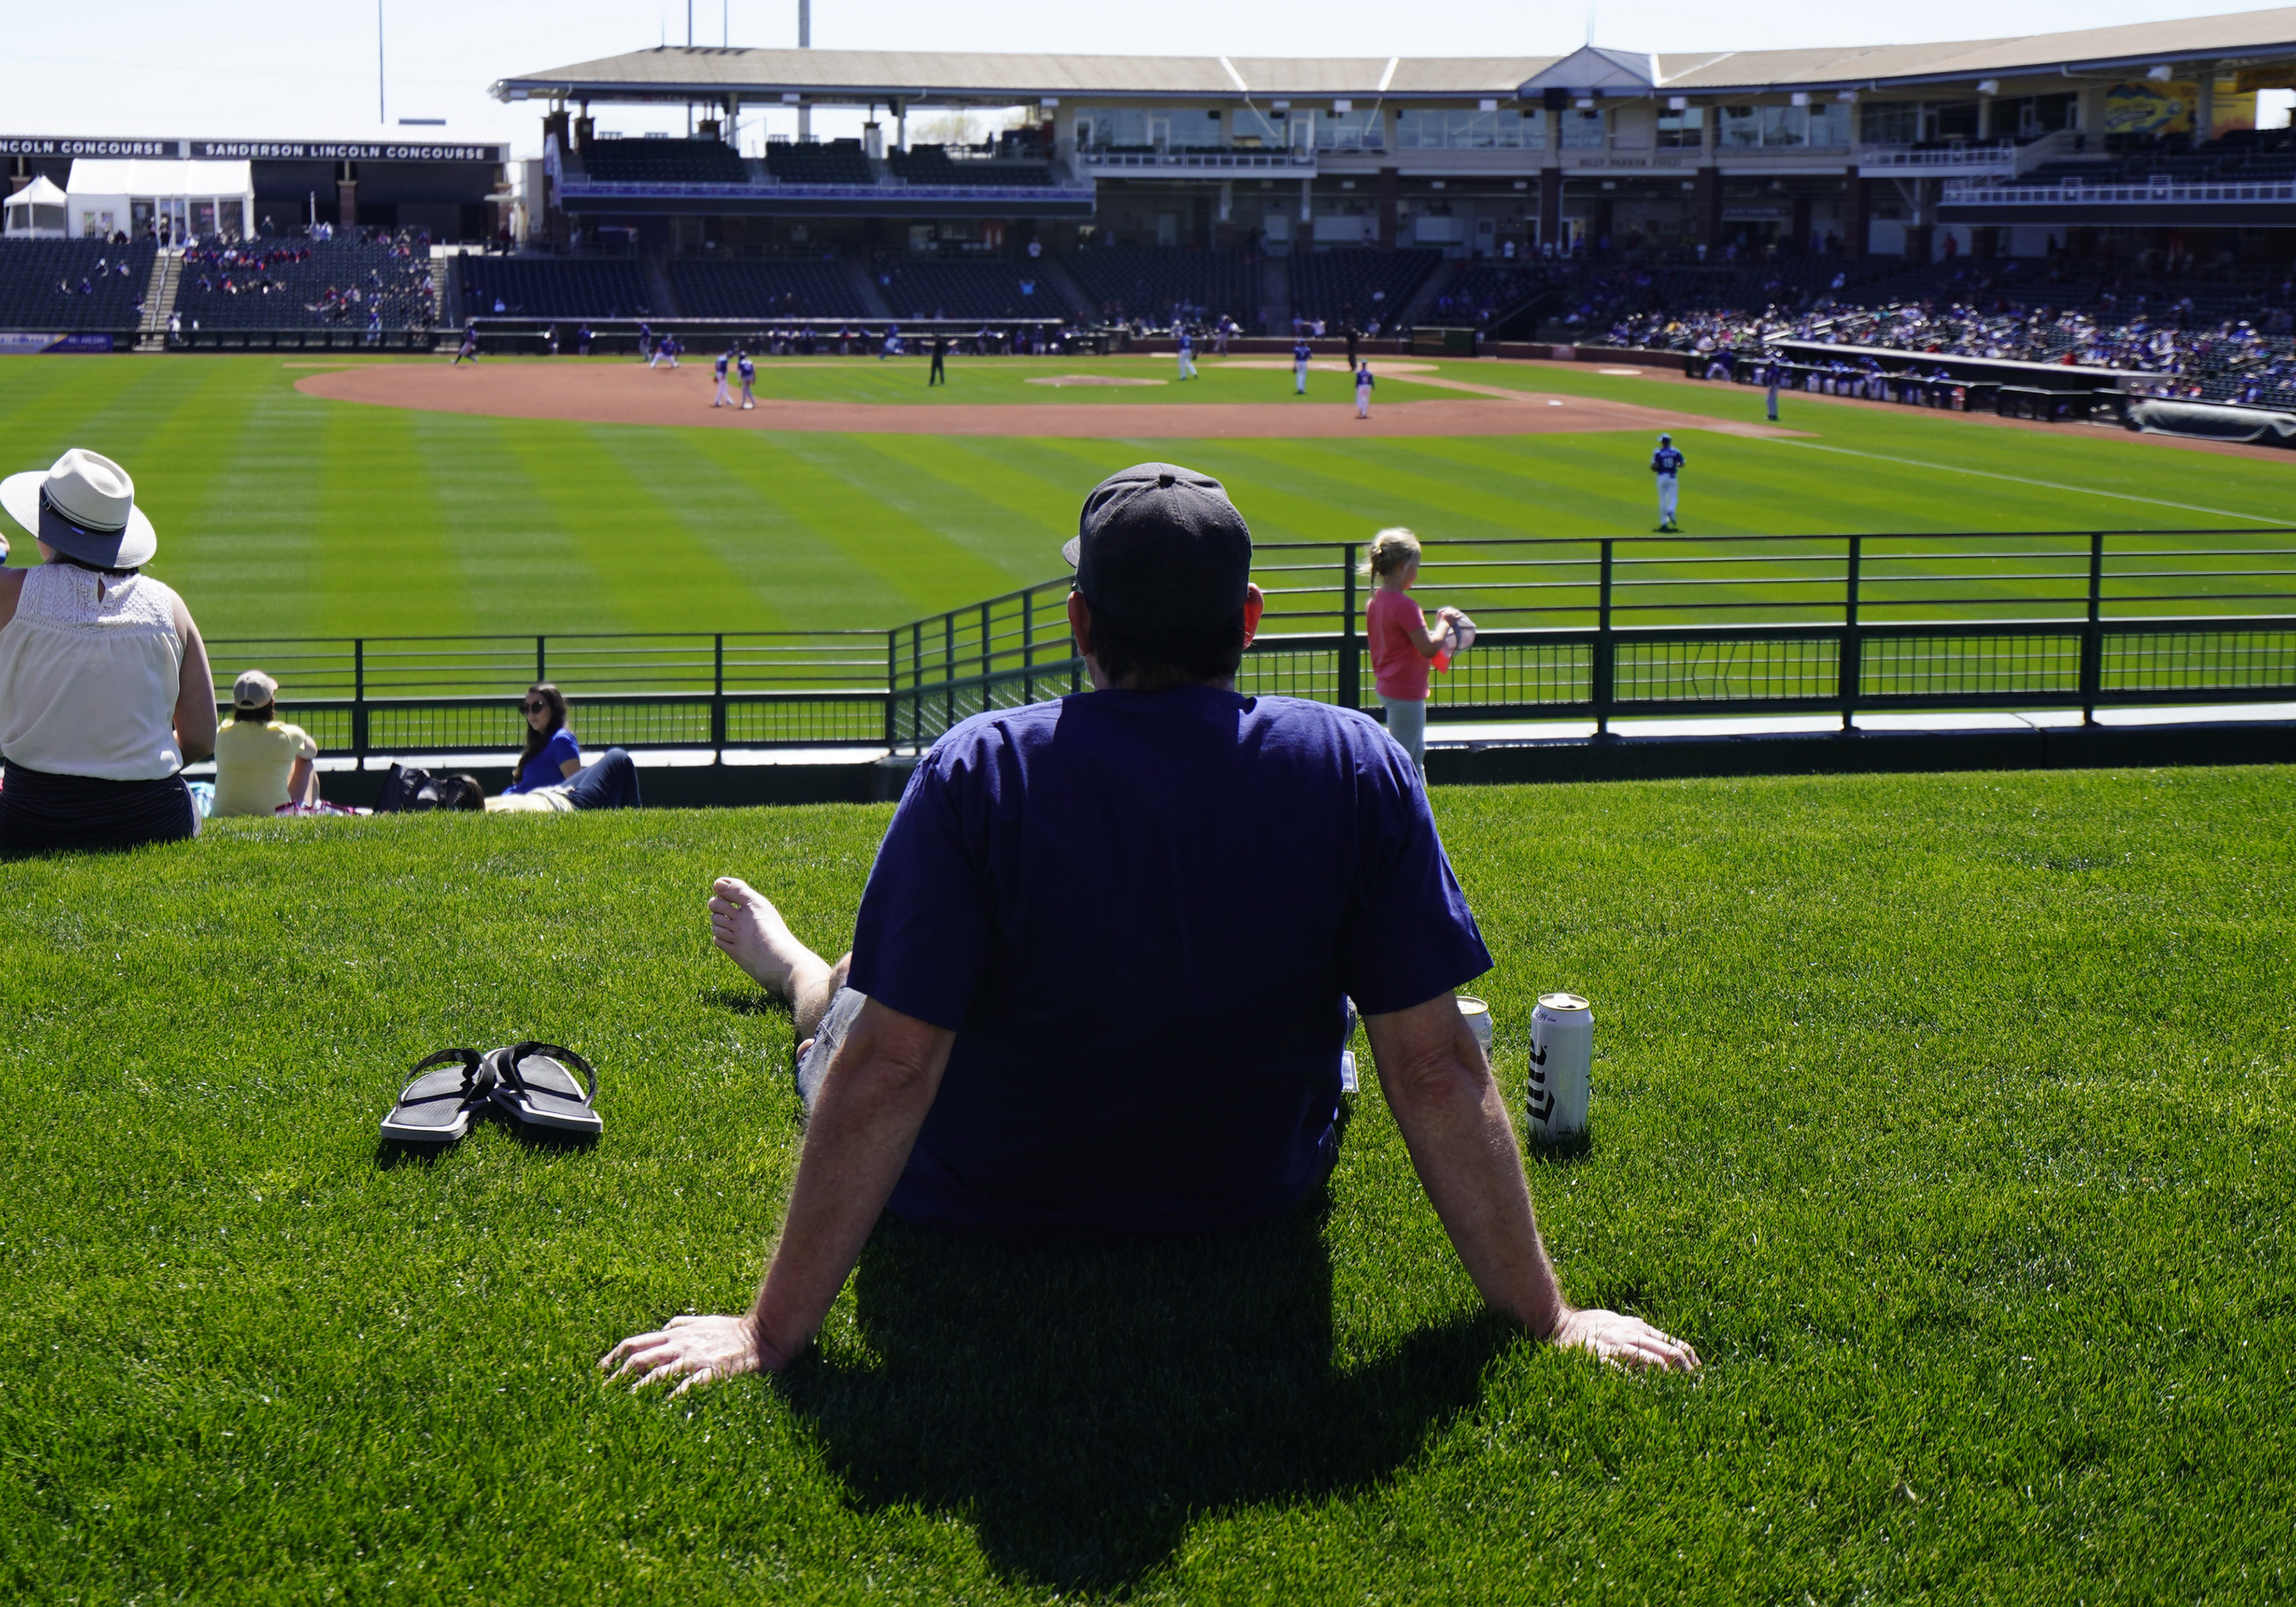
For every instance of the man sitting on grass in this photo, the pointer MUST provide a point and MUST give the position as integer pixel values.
(1099, 981)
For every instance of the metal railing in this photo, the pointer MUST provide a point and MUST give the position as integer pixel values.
(1570, 627)
(2159, 190)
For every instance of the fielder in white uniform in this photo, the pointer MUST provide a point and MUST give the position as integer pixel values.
(1363, 383)
(1187, 354)
(1666, 463)
(725, 394)
(1301, 353)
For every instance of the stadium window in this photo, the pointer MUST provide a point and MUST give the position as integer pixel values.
(1889, 122)
(1682, 130)
(1742, 127)
(1954, 120)
(1829, 125)
(1254, 127)
(1582, 129)
(1785, 126)
(1363, 130)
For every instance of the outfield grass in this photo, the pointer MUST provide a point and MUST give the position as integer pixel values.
(1948, 1117)
(281, 514)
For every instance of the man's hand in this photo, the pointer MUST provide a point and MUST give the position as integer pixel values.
(1628, 1341)
(693, 1351)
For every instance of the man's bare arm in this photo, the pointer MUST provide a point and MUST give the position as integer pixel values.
(873, 1099)
(1454, 1118)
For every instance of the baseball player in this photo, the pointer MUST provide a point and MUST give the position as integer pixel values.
(1187, 347)
(1778, 377)
(1300, 354)
(938, 374)
(1363, 383)
(582, 340)
(470, 347)
(645, 343)
(749, 372)
(1666, 463)
(725, 361)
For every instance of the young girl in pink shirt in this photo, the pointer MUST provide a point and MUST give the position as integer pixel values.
(1401, 644)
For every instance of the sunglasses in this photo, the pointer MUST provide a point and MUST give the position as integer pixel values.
(536, 705)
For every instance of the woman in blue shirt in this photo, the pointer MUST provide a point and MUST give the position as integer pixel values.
(551, 755)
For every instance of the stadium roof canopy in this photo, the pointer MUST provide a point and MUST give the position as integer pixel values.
(691, 74)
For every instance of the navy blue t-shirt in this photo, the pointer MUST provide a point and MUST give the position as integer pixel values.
(1140, 913)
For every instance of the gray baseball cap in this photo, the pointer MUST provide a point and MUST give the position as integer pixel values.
(1159, 544)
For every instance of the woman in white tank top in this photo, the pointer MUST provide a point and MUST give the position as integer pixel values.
(105, 686)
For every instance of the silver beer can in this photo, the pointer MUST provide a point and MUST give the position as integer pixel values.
(1477, 1014)
(1562, 1063)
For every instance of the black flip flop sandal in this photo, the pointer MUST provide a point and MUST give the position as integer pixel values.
(534, 1082)
(436, 1106)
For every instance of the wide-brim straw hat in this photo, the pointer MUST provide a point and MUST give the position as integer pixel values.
(83, 505)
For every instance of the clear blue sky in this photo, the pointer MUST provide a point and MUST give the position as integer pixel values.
(155, 67)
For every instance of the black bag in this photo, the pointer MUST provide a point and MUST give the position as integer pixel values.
(410, 790)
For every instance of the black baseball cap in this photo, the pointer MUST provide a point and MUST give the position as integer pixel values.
(1159, 544)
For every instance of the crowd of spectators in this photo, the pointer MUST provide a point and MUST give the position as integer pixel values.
(373, 279)
(2205, 341)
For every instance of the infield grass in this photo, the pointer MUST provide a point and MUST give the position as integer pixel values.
(284, 515)
(1949, 1116)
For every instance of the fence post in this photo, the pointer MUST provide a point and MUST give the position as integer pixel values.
(1605, 648)
(2091, 659)
(985, 659)
(1350, 654)
(541, 662)
(1848, 675)
(948, 670)
(718, 698)
(916, 683)
(892, 687)
(358, 699)
(1029, 645)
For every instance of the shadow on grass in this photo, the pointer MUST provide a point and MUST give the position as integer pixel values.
(1082, 1407)
(744, 1001)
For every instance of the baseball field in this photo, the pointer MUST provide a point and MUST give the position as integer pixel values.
(282, 511)
(1949, 1116)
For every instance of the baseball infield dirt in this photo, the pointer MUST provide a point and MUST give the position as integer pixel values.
(627, 394)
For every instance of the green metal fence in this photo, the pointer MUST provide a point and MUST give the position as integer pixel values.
(1571, 628)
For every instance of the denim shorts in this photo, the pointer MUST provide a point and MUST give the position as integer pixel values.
(836, 1021)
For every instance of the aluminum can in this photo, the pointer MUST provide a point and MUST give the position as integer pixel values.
(1562, 1063)
(1477, 1014)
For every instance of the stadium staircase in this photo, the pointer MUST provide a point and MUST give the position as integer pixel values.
(1434, 285)
(1276, 291)
(1064, 284)
(663, 293)
(866, 286)
(159, 300)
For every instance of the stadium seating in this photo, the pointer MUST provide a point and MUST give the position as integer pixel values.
(932, 165)
(1150, 282)
(797, 287)
(305, 284)
(33, 274)
(1480, 290)
(541, 287)
(671, 162)
(971, 289)
(836, 162)
(1359, 283)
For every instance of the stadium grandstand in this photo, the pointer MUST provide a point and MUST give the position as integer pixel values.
(72, 286)
(797, 289)
(359, 282)
(1602, 193)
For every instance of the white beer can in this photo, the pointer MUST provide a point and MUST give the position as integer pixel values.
(1562, 1062)
(1477, 1014)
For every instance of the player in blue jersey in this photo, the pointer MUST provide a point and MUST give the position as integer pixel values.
(748, 368)
(1187, 347)
(1666, 463)
(725, 361)
(1300, 352)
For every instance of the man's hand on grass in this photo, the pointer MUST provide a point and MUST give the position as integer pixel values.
(1629, 1341)
(693, 1351)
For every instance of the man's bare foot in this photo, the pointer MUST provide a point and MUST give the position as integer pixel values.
(744, 923)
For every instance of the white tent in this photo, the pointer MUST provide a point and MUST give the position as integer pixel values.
(36, 212)
(205, 199)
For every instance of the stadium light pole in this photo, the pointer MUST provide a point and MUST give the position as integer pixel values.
(381, 115)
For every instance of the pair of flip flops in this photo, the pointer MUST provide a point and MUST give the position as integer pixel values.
(532, 1082)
